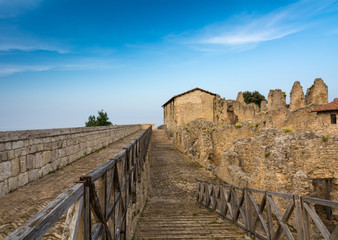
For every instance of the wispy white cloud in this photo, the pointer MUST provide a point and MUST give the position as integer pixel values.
(245, 31)
(6, 70)
(12, 8)
(88, 64)
(31, 46)
(12, 38)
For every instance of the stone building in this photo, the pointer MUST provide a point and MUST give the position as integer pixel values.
(327, 116)
(198, 103)
(188, 106)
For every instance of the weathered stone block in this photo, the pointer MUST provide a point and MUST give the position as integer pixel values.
(33, 149)
(12, 183)
(17, 152)
(18, 144)
(23, 166)
(24, 151)
(3, 188)
(30, 163)
(8, 146)
(46, 169)
(22, 179)
(5, 170)
(15, 167)
(46, 157)
(56, 164)
(3, 156)
(33, 175)
(62, 152)
(10, 155)
(2, 147)
(38, 160)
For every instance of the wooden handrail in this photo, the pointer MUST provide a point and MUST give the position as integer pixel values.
(105, 193)
(265, 214)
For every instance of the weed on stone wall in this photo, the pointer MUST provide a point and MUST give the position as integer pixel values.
(325, 138)
(288, 129)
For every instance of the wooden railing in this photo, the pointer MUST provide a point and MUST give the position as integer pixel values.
(97, 204)
(269, 215)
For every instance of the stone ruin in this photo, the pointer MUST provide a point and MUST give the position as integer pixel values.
(276, 99)
(297, 99)
(240, 97)
(317, 93)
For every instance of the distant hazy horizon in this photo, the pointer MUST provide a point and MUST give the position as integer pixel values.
(61, 61)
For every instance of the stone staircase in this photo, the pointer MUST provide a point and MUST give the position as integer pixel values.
(171, 211)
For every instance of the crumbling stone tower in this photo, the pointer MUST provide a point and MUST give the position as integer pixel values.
(317, 93)
(276, 99)
(240, 97)
(297, 99)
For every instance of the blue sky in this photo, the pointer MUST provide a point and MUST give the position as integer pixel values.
(63, 60)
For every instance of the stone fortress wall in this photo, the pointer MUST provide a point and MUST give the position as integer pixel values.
(198, 103)
(277, 146)
(276, 113)
(28, 155)
(265, 158)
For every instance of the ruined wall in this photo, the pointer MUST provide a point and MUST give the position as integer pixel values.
(205, 141)
(297, 99)
(276, 99)
(282, 162)
(317, 93)
(231, 111)
(28, 155)
(264, 158)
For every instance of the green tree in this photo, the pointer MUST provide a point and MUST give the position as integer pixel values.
(253, 97)
(101, 120)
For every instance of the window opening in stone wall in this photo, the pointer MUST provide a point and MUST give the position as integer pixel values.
(322, 188)
(333, 119)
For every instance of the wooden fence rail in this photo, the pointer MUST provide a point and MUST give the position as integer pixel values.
(269, 215)
(97, 204)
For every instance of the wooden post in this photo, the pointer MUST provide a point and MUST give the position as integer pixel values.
(269, 217)
(246, 202)
(87, 226)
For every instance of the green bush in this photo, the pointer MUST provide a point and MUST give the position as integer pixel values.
(101, 120)
(253, 97)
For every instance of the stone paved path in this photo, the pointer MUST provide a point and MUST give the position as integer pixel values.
(17, 207)
(171, 211)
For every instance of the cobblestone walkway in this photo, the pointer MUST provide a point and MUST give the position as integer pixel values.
(17, 207)
(171, 211)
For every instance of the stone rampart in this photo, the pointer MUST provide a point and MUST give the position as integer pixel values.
(28, 155)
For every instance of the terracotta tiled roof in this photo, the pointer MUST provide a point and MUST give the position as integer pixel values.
(192, 90)
(332, 106)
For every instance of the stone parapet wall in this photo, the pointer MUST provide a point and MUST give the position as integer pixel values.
(28, 155)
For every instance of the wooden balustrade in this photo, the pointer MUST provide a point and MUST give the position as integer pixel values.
(97, 204)
(269, 215)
